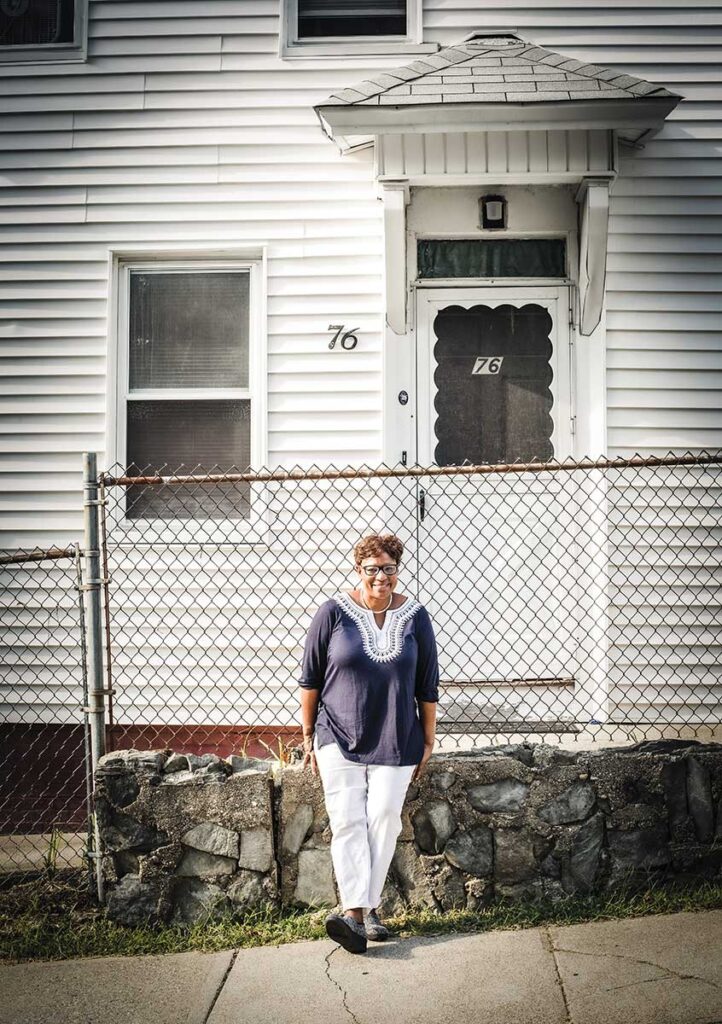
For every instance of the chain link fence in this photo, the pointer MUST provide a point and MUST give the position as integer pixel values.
(570, 600)
(44, 753)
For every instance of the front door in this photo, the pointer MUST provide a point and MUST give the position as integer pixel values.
(496, 558)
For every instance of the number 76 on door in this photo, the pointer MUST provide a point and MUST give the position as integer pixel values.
(487, 365)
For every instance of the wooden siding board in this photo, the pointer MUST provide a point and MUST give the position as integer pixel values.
(178, 25)
(52, 388)
(670, 187)
(14, 197)
(184, 155)
(661, 341)
(117, 123)
(45, 81)
(645, 281)
(76, 101)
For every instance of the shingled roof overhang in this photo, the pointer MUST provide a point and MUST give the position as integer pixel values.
(496, 84)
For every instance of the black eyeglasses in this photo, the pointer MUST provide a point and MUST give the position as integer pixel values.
(374, 570)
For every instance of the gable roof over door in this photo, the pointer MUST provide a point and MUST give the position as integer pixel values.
(500, 82)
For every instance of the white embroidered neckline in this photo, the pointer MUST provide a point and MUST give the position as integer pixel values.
(381, 643)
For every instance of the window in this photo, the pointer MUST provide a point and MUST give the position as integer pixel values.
(350, 19)
(42, 30)
(493, 382)
(346, 27)
(497, 257)
(188, 384)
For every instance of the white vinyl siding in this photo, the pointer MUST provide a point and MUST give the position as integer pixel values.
(185, 129)
(553, 153)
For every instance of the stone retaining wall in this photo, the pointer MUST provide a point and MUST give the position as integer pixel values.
(186, 834)
(186, 837)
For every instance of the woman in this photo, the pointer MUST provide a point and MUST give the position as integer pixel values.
(369, 659)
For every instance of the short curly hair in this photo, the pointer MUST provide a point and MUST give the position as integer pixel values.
(379, 544)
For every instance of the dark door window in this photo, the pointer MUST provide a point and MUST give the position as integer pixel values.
(491, 257)
(493, 379)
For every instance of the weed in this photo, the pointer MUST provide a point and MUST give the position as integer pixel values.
(51, 919)
(51, 855)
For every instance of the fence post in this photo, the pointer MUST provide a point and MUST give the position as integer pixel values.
(91, 589)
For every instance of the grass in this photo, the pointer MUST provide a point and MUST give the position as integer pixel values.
(54, 918)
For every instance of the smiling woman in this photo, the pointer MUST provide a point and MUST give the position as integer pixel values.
(369, 690)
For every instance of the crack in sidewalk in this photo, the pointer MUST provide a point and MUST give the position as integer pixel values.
(560, 983)
(223, 980)
(346, 1007)
(667, 971)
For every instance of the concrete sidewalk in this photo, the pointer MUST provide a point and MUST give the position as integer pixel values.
(650, 970)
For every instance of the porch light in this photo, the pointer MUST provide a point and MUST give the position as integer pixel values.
(493, 211)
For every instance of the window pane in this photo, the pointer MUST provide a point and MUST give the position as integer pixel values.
(189, 330)
(320, 18)
(498, 257)
(192, 436)
(37, 22)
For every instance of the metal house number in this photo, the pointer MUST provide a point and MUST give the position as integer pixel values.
(348, 339)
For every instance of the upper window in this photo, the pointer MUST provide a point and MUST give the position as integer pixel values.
(350, 19)
(345, 27)
(42, 30)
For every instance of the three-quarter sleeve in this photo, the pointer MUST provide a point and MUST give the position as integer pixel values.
(427, 665)
(315, 651)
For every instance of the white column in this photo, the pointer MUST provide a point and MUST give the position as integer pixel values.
(395, 197)
(593, 196)
(398, 423)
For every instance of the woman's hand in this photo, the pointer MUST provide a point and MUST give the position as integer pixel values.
(309, 756)
(421, 766)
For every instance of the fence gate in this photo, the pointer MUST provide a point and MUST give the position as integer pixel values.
(45, 765)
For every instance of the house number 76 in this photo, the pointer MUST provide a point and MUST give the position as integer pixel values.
(348, 338)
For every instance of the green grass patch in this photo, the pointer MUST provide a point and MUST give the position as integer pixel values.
(57, 919)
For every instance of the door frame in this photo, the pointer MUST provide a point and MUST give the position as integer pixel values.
(429, 299)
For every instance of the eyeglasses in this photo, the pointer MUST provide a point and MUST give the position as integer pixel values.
(374, 570)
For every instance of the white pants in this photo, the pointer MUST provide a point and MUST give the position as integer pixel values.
(364, 803)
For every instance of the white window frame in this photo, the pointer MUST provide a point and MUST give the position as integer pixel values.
(345, 46)
(187, 530)
(51, 53)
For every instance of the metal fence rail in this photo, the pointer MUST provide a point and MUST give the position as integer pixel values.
(44, 752)
(576, 598)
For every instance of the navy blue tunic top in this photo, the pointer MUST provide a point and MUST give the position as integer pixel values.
(370, 679)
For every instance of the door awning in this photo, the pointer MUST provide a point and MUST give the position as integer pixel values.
(496, 83)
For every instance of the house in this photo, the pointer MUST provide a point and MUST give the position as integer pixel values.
(319, 193)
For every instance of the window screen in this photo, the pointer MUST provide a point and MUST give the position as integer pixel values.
(493, 381)
(492, 257)
(36, 22)
(319, 19)
(188, 436)
(188, 330)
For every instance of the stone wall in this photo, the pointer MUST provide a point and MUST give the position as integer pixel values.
(520, 821)
(185, 837)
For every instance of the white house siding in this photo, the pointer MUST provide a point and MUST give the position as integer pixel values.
(494, 152)
(185, 128)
